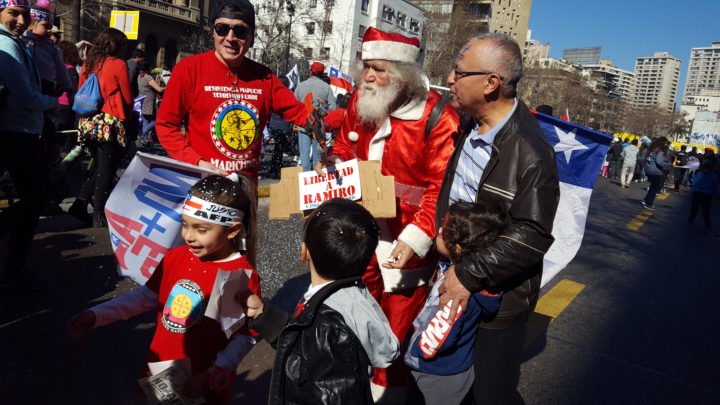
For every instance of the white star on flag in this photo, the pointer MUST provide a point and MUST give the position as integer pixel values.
(567, 143)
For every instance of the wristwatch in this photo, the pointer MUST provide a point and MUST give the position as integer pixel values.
(219, 378)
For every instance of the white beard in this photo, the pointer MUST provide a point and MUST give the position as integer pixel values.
(374, 102)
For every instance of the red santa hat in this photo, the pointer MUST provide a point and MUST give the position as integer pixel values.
(389, 46)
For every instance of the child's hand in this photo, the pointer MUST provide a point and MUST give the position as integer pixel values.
(79, 325)
(198, 386)
(251, 303)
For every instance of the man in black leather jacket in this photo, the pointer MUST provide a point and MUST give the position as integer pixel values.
(502, 155)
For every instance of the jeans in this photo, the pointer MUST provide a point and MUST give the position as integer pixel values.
(309, 153)
(148, 123)
(614, 168)
(639, 171)
(680, 177)
(626, 173)
(656, 182)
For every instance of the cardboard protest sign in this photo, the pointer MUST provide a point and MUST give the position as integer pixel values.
(378, 191)
(144, 212)
(340, 181)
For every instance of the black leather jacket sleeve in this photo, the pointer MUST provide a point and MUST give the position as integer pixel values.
(270, 323)
(335, 366)
(526, 238)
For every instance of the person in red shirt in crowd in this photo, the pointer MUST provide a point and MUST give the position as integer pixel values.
(224, 99)
(104, 133)
(395, 118)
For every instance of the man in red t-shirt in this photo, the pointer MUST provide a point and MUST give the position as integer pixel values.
(224, 99)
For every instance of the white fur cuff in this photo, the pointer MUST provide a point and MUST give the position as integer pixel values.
(417, 239)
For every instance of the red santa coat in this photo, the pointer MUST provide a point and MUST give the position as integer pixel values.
(418, 165)
(224, 113)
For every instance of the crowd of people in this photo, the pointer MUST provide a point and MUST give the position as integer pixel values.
(656, 161)
(476, 189)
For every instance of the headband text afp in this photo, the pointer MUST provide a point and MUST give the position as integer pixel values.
(41, 15)
(211, 212)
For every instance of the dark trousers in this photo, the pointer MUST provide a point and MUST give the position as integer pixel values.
(656, 183)
(282, 144)
(24, 158)
(615, 168)
(704, 201)
(497, 365)
(106, 158)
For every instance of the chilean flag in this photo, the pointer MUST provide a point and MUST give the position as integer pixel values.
(340, 82)
(579, 154)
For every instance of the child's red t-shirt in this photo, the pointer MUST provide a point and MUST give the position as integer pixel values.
(184, 284)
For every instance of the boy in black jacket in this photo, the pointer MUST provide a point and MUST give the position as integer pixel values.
(325, 351)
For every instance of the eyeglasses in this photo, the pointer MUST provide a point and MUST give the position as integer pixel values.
(459, 74)
(240, 31)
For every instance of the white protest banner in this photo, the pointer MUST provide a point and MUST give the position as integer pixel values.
(340, 181)
(144, 212)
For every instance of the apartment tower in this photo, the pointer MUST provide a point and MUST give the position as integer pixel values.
(657, 80)
(703, 77)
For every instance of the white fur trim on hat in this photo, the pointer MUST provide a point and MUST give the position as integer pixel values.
(390, 50)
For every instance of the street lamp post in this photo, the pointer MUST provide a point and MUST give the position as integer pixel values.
(291, 13)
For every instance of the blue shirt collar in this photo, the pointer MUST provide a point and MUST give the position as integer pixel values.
(489, 137)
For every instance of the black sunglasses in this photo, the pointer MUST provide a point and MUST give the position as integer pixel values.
(240, 31)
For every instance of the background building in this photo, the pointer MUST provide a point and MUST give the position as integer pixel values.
(329, 31)
(453, 22)
(619, 83)
(703, 72)
(657, 80)
(582, 55)
(168, 30)
(477, 16)
(534, 49)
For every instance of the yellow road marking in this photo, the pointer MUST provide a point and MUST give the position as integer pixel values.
(557, 299)
(638, 221)
(662, 196)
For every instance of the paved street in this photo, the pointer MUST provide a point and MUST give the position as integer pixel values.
(641, 330)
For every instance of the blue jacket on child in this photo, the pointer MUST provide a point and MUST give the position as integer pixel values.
(439, 347)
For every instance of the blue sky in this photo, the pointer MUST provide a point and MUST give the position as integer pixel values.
(627, 29)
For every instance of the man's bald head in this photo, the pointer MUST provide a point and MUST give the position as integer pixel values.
(498, 53)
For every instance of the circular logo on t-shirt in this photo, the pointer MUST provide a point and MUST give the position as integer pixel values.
(234, 127)
(184, 307)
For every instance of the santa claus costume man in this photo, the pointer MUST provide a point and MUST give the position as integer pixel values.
(388, 119)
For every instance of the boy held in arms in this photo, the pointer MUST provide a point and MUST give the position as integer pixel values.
(441, 350)
(338, 331)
